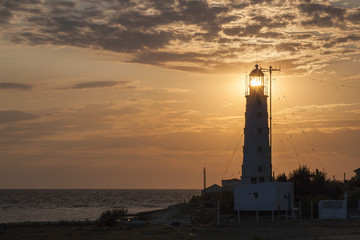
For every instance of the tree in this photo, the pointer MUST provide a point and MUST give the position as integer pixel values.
(309, 183)
(281, 178)
(319, 183)
(302, 174)
(302, 179)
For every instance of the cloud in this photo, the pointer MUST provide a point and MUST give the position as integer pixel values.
(183, 35)
(313, 9)
(15, 116)
(175, 90)
(318, 21)
(324, 107)
(163, 57)
(252, 30)
(354, 17)
(302, 36)
(233, 31)
(5, 15)
(290, 47)
(323, 15)
(18, 86)
(102, 84)
(59, 4)
(67, 124)
(9, 8)
(350, 38)
(260, 1)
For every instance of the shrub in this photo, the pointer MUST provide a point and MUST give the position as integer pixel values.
(109, 217)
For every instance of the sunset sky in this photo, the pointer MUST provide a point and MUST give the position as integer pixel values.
(145, 93)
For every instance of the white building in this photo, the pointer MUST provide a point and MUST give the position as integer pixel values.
(264, 196)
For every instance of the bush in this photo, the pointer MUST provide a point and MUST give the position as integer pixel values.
(109, 217)
(354, 197)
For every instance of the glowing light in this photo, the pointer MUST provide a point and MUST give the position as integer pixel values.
(256, 81)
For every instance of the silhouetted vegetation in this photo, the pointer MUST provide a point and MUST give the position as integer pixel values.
(226, 199)
(281, 178)
(313, 186)
(109, 217)
(310, 186)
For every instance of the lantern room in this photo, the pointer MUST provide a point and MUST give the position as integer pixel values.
(256, 82)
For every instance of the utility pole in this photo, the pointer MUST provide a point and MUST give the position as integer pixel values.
(204, 181)
(270, 70)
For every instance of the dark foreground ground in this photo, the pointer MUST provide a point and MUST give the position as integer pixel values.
(315, 229)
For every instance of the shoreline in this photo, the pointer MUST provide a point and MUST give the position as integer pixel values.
(138, 214)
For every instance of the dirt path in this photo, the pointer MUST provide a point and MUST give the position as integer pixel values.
(247, 230)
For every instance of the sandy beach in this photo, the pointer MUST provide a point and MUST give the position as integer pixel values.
(295, 229)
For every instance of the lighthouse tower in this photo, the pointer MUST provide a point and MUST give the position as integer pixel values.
(267, 195)
(256, 166)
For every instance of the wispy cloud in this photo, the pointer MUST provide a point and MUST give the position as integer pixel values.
(15, 116)
(175, 90)
(102, 84)
(16, 86)
(321, 107)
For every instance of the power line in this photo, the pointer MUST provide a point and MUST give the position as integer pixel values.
(346, 99)
(306, 137)
(337, 87)
(290, 138)
(233, 154)
(334, 84)
(283, 144)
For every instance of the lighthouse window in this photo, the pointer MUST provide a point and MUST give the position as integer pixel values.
(259, 149)
(259, 130)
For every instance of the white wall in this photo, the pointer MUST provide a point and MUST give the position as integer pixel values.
(332, 209)
(264, 196)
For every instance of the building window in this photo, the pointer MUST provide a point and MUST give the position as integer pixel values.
(256, 195)
(261, 180)
(259, 169)
(259, 114)
(253, 180)
(259, 130)
(259, 149)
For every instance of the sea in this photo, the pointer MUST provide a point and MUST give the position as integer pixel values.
(83, 205)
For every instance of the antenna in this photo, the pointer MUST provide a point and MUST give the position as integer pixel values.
(270, 70)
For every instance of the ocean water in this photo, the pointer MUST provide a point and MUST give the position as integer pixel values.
(81, 205)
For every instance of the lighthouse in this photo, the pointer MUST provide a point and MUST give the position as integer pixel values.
(256, 190)
(256, 167)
